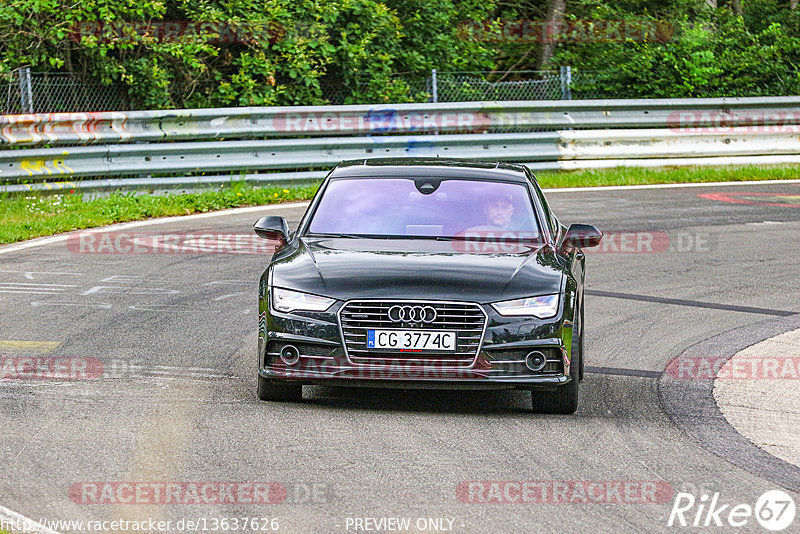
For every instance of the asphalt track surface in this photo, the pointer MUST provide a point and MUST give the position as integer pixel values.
(177, 336)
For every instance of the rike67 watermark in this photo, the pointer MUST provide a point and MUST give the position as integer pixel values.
(774, 510)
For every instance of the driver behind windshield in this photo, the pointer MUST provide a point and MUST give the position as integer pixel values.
(497, 212)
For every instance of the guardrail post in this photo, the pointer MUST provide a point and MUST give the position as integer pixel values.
(25, 92)
(566, 83)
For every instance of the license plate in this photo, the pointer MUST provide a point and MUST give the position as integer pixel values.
(411, 340)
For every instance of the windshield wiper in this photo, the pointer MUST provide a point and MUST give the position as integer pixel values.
(347, 236)
(368, 236)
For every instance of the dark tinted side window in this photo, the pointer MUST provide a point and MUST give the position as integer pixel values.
(550, 219)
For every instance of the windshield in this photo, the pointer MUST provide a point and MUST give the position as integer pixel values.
(422, 207)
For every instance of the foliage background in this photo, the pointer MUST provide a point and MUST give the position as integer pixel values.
(373, 50)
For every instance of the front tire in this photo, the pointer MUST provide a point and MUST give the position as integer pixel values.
(564, 400)
(267, 391)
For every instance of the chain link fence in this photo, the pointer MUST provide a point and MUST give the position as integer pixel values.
(23, 91)
(476, 86)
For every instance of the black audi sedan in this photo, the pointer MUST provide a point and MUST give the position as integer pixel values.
(425, 273)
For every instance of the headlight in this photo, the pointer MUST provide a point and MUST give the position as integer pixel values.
(542, 307)
(286, 301)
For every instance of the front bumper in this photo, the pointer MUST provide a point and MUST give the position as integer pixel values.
(499, 363)
(543, 383)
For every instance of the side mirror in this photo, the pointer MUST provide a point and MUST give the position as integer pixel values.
(582, 236)
(272, 227)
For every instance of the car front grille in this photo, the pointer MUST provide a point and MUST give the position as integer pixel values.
(468, 320)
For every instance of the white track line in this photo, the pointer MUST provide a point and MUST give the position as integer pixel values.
(38, 242)
(19, 524)
(666, 186)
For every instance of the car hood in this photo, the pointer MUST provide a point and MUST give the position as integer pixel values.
(416, 269)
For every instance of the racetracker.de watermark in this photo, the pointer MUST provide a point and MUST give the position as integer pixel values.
(738, 368)
(171, 31)
(576, 31)
(50, 368)
(386, 120)
(564, 492)
(119, 242)
(154, 493)
(739, 122)
(614, 242)
(406, 368)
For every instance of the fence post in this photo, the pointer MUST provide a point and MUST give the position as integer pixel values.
(566, 83)
(434, 86)
(25, 92)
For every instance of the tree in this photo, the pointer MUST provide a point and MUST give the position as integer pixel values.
(555, 15)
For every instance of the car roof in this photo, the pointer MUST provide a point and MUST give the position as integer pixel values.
(434, 167)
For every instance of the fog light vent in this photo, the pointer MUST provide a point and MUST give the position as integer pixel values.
(535, 361)
(290, 355)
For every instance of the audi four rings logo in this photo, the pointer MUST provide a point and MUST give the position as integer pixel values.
(412, 314)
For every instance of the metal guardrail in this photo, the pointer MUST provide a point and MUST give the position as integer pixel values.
(466, 117)
(219, 156)
(578, 134)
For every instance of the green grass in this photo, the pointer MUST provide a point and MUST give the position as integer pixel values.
(35, 215)
(677, 175)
